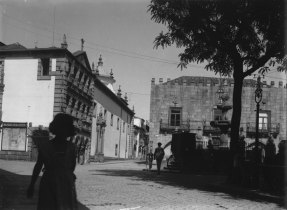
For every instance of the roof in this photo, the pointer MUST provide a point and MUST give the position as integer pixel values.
(205, 80)
(11, 46)
(19, 51)
(83, 58)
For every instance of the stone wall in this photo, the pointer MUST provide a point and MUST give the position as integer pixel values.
(198, 95)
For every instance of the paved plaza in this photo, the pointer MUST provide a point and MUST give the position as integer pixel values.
(123, 185)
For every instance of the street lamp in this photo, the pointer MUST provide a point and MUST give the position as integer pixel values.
(258, 99)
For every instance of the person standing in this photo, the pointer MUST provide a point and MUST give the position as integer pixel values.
(82, 151)
(149, 159)
(270, 150)
(57, 160)
(158, 156)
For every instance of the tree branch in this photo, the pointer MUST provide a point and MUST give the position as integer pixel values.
(260, 62)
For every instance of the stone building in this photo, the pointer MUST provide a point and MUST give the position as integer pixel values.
(112, 129)
(38, 83)
(141, 138)
(189, 104)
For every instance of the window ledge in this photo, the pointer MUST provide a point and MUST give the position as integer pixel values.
(44, 77)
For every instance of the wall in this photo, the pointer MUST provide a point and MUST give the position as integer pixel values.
(25, 98)
(197, 97)
(112, 135)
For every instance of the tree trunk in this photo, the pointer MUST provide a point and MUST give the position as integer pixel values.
(235, 120)
(236, 114)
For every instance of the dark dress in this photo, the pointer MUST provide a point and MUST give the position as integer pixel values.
(57, 187)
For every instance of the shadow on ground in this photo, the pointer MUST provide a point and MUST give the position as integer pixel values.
(13, 192)
(209, 183)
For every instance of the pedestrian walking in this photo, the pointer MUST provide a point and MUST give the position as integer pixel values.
(149, 159)
(58, 157)
(158, 156)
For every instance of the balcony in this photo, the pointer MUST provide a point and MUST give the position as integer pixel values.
(166, 127)
(272, 128)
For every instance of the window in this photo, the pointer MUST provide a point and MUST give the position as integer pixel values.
(105, 114)
(263, 121)
(112, 119)
(80, 75)
(45, 66)
(118, 124)
(124, 125)
(175, 116)
(116, 150)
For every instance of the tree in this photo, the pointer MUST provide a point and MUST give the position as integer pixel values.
(235, 37)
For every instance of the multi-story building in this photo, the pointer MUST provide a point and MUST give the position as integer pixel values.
(38, 83)
(141, 138)
(111, 135)
(189, 104)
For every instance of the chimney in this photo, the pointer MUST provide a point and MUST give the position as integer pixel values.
(100, 63)
(126, 98)
(112, 74)
(264, 83)
(64, 44)
(82, 44)
(119, 94)
(168, 79)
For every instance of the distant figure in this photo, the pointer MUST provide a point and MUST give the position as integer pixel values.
(58, 156)
(280, 157)
(158, 156)
(82, 151)
(210, 143)
(149, 159)
(239, 158)
(241, 144)
(270, 150)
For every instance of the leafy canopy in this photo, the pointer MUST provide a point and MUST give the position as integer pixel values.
(225, 33)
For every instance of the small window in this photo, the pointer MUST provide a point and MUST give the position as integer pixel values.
(116, 150)
(45, 66)
(112, 119)
(263, 121)
(124, 125)
(118, 123)
(105, 114)
(80, 76)
(175, 116)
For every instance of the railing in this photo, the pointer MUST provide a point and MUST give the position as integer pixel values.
(273, 128)
(168, 128)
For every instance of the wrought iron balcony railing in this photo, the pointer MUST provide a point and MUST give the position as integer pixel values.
(166, 127)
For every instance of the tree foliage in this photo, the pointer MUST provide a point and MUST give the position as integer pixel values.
(235, 37)
(222, 32)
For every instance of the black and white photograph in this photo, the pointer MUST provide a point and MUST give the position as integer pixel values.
(143, 104)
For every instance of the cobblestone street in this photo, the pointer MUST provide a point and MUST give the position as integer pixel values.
(124, 185)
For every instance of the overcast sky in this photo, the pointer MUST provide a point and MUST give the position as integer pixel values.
(119, 30)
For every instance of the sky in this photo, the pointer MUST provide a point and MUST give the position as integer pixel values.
(120, 30)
